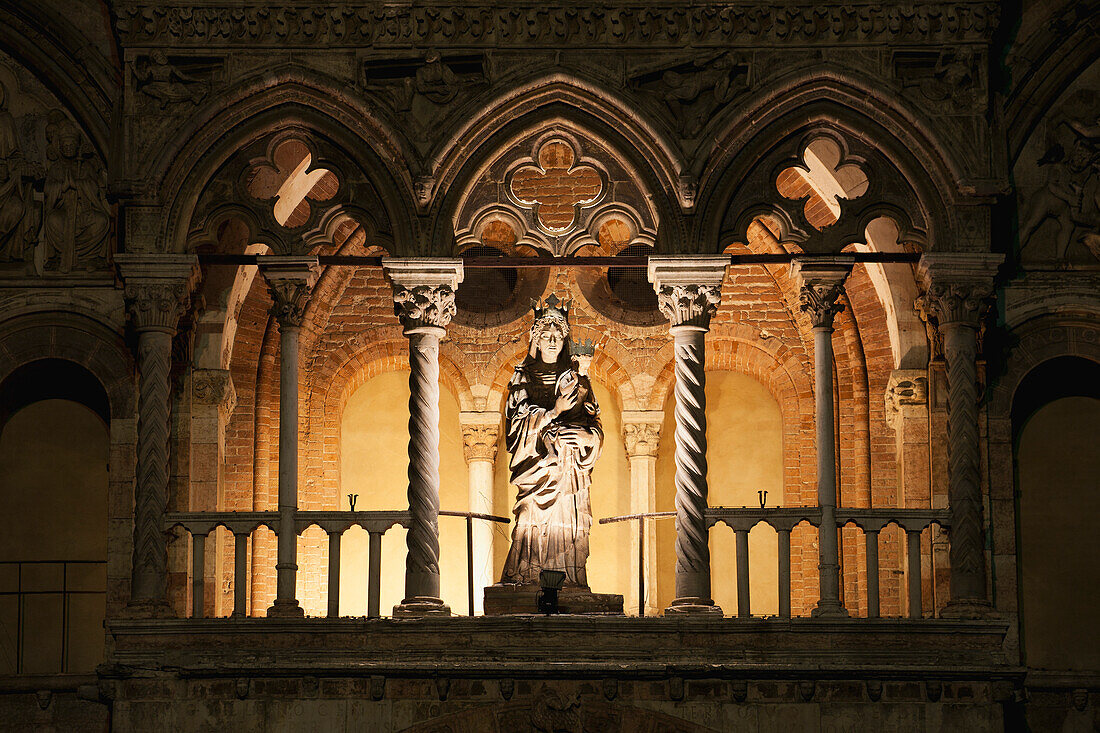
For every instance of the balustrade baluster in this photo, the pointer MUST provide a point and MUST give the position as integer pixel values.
(198, 558)
(913, 546)
(240, 573)
(374, 579)
(334, 574)
(871, 537)
(784, 573)
(742, 573)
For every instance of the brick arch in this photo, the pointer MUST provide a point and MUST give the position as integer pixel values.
(102, 352)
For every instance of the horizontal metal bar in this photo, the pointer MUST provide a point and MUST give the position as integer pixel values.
(53, 593)
(475, 515)
(529, 262)
(629, 517)
(53, 562)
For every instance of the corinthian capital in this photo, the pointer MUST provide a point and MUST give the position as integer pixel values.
(642, 432)
(290, 280)
(821, 283)
(423, 290)
(957, 285)
(480, 431)
(157, 288)
(689, 289)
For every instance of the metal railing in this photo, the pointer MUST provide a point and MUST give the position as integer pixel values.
(242, 524)
(64, 592)
(640, 519)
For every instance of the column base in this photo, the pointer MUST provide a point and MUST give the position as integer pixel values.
(829, 609)
(505, 599)
(419, 606)
(968, 608)
(693, 605)
(286, 609)
(149, 609)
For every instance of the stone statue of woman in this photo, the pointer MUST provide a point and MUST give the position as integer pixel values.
(554, 438)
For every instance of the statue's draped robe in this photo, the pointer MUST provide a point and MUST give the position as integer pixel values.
(553, 511)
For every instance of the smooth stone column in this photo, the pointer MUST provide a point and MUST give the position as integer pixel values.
(957, 286)
(212, 401)
(480, 433)
(157, 289)
(821, 283)
(642, 436)
(688, 293)
(290, 280)
(424, 300)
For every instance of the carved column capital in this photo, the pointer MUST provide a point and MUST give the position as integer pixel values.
(642, 432)
(157, 288)
(821, 283)
(214, 388)
(423, 290)
(957, 285)
(689, 289)
(290, 279)
(906, 388)
(480, 432)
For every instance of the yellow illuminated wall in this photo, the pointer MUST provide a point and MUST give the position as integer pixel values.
(374, 464)
(53, 477)
(744, 455)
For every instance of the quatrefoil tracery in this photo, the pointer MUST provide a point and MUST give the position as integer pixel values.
(287, 178)
(823, 182)
(557, 188)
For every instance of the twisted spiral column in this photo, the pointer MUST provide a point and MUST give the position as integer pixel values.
(424, 301)
(688, 294)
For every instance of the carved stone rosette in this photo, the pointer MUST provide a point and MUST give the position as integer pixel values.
(957, 286)
(423, 294)
(688, 292)
(157, 288)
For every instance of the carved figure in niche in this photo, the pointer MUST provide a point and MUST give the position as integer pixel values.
(76, 217)
(165, 82)
(13, 205)
(949, 77)
(1070, 194)
(554, 439)
(695, 90)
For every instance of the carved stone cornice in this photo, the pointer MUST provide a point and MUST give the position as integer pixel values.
(213, 387)
(480, 432)
(906, 388)
(530, 24)
(290, 280)
(423, 290)
(157, 288)
(642, 432)
(689, 289)
(957, 286)
(821, 283)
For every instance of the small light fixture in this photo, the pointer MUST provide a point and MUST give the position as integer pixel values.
(546, 600)
(763, 496)
(351, 500)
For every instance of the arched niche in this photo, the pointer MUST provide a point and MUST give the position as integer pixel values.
(54, 450)
(1056, 428)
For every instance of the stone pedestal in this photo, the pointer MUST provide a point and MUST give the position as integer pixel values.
(510, 600)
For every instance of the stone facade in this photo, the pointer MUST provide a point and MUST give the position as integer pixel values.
(152, 155)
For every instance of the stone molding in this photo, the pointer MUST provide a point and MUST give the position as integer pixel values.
(689, 289)
(957, 285)
(290, 279)
(906, 388)
(821, 283)
(480, 433)
(214, 387)
(526, 24)
(423, 290)
(157, 288)
(642, 432)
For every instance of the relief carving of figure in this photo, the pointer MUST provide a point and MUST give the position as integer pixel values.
(13, 203)
(165, 82)
(76, 217)
(554, 439)
(1070, 194)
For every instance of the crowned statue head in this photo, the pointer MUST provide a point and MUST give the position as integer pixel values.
(550, 343)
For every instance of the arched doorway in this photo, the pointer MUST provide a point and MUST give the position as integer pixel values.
(1056, 428)
(54, 447)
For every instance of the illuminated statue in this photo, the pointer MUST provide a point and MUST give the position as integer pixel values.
(554, 438)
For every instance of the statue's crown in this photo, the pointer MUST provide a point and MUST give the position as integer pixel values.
(553, 308)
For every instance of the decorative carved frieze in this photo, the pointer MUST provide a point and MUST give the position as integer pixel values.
(531, 24)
